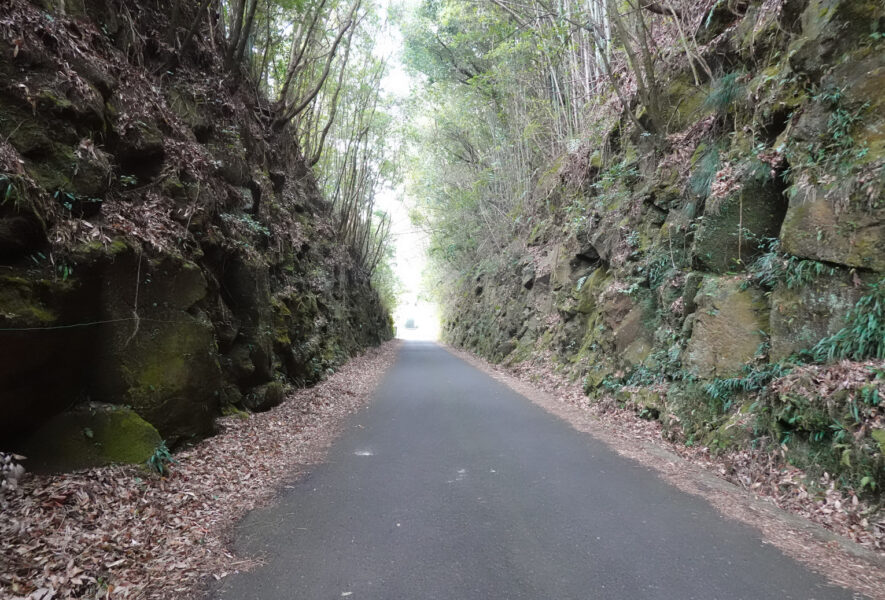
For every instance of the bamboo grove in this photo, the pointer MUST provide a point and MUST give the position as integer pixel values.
(317, 63)
(538, 79)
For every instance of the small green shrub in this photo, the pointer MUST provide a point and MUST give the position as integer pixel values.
(823, 431)
(655, 267)
(161, 459)
(8, 189)
(612, 184)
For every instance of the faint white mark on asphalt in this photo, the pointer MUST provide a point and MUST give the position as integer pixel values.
(364, 453)
(459, 476)
(346, 593)
(492, 471)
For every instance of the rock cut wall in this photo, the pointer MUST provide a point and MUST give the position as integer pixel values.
(675, 264)
(161, 248)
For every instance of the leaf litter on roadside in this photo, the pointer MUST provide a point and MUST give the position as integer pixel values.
(121, 532)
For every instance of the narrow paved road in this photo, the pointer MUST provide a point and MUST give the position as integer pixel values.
(451, 486)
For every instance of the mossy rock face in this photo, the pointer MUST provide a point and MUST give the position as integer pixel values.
(92, 172)
(861, 78)
(688, 403)
(564, 268)
(139, 139)
(188, 108)
(21, 304)
(233, 165)
(137, 321)
(779, 93)
(164, 364)
(758, 30)
(693, 283)
(802, 316)
(245, 289)
(590, 290)
(727, 329)
(504, 349)
(687, 100)
(722, 242)
(734, 432)
(82, 105)
(50, 153)
(90, 435)
(606, 238)
(720, 17)
(632, 340)
(854, 237)
(627, 319)
(169, 375)
(650, 403)
(27, 135)
(42, 370)
(230, 396)
(829, 27)
(265, 397)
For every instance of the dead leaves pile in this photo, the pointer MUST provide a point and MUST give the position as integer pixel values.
(117, 532)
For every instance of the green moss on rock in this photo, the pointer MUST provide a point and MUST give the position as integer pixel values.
(91, 435)
(20, 303)
(801, 317)
(686, 99)
(725, 237)
(729, 327)
(265, 397)
(815, 229)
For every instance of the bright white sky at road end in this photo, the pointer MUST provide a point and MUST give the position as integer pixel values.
(410, 244)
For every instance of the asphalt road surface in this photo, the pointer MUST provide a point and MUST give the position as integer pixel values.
(451, 486)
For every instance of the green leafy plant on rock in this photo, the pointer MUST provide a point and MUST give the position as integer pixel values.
(9, 191)
(721, 392)
(774, 267)
(864, 335)
(704, 171)
(835, 150)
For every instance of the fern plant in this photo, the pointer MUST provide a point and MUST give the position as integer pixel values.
(725, 91)
(704, 172)
(864, 334)
(722, 391)
(773, 267)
